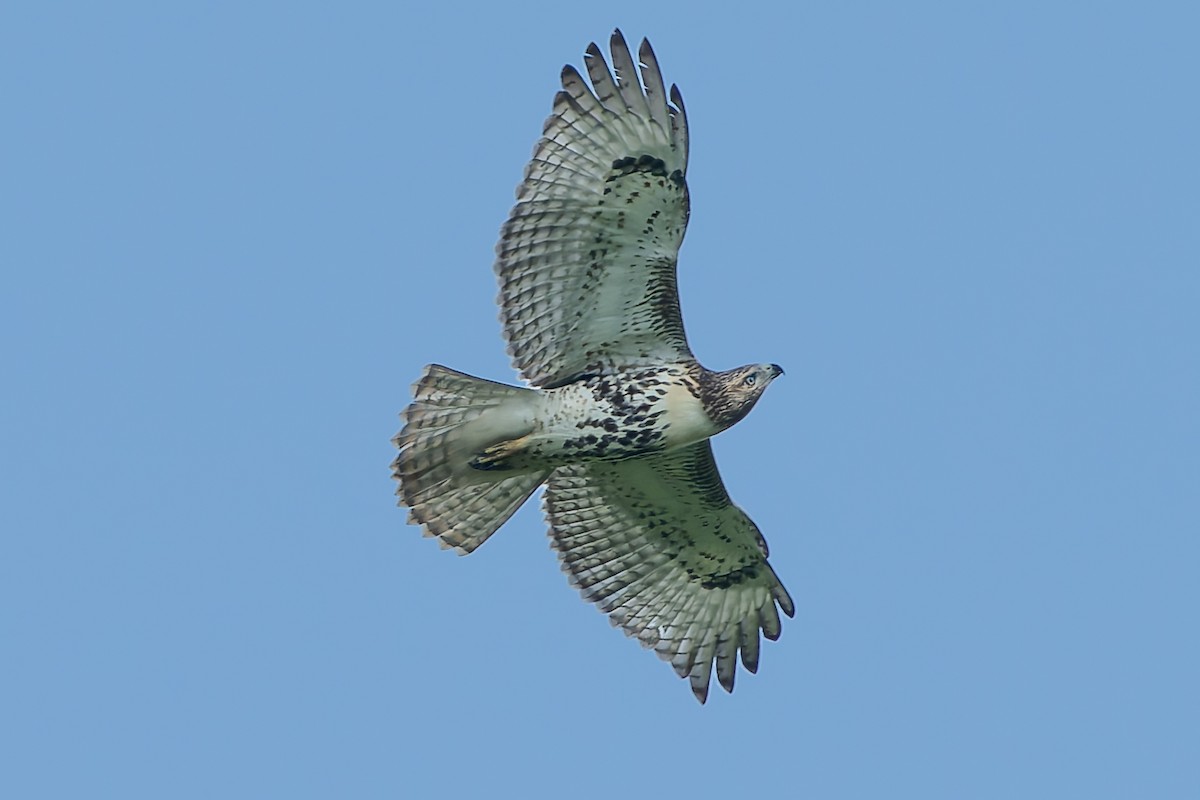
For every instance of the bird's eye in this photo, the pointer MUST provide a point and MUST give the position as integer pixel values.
(750, 380)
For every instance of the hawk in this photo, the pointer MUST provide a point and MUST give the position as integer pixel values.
(618, 415)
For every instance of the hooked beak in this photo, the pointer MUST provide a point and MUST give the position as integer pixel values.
(776, 371)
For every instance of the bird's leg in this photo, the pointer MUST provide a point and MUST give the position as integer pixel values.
(496, 456)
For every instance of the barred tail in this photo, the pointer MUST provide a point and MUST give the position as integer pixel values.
(452, 420)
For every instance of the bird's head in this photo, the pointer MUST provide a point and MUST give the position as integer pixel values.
(737, 390)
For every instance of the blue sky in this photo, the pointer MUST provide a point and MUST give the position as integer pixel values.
(235, 232)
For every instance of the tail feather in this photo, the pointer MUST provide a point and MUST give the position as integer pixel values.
(453, 418)
(464, 517)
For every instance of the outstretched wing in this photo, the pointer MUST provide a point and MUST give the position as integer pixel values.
(657, 544)
(586, 260)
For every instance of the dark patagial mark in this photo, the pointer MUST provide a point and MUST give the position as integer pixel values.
(645, 163)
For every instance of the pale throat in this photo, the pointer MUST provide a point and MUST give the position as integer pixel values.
(687, 421)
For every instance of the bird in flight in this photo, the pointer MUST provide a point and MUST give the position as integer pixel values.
(617, 415)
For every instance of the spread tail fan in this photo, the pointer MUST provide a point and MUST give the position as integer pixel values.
(452, 419)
